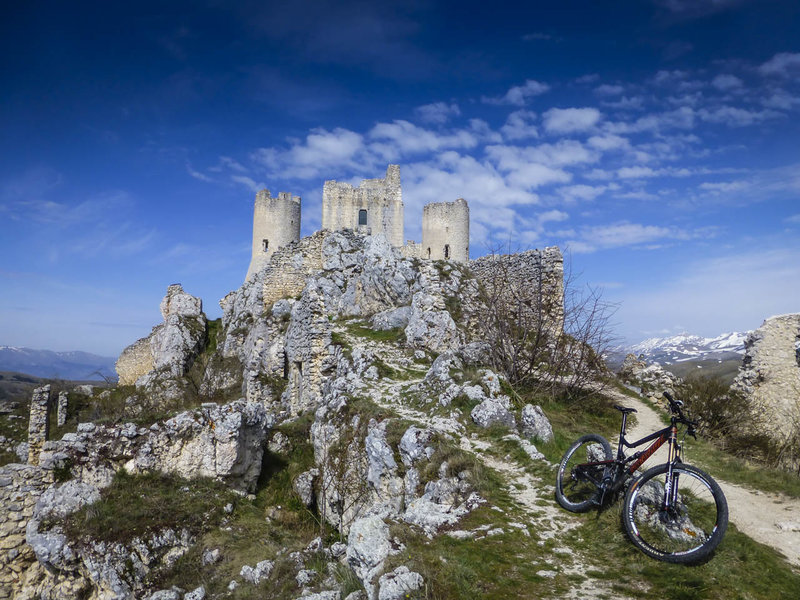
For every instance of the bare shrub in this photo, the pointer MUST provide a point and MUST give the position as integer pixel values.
(545, 334)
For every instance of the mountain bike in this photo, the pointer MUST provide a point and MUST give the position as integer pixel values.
(673, 512)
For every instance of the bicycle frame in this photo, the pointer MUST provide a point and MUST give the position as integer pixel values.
(613, 480)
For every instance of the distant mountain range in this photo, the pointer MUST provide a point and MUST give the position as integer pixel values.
(62, 365)
(685, 347)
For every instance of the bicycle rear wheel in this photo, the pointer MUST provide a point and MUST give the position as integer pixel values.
(690, 529)
(579, 477)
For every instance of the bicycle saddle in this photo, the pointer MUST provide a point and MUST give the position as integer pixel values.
(624, 409)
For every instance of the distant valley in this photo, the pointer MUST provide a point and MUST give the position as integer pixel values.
(685, 353)
(75, 365)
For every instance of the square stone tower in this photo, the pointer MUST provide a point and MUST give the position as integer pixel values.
(375, 206)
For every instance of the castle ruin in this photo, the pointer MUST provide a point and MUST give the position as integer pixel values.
(375, 206)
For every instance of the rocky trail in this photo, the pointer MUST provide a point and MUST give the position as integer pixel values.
(534, 497)
(772, 519)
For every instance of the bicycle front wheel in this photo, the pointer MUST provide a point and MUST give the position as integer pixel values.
(579, 476)
(685, 530)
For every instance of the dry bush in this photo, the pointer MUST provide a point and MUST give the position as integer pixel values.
(533, 342)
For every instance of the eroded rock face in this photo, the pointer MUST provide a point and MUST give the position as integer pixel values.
(221, 441)
(171, 348)
(770, 374)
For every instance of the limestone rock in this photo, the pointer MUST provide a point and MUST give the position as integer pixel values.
(391, 319)
(399, 584)
(535, 423)
(494, 410)
(368, 546)
(414, 445)
(170, 349)
(770, 374)
(257, 574)
(304, 486)
(430, 326)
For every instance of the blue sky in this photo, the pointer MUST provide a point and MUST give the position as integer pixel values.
(656, 141)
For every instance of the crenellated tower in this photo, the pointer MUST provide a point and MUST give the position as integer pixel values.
(375, 206)
(445, 231)
(276, 223)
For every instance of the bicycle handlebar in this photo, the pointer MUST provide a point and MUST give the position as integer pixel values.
(675, 407)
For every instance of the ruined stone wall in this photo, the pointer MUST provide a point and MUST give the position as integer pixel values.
(135, 361)
(445, 231)
(539, 273)
(20, 487)
(770, 374)
(276, 223)
(411, 249)
(38, 423)
(381, 198)
(290, 266)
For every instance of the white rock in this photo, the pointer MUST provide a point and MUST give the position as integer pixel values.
(399, 584)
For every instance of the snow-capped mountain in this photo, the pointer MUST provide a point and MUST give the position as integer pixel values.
(65, 365)
(683, 347)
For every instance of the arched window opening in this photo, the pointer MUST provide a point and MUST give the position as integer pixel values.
(265, 245)
(429, 252)
(447, 251)
(362, 216)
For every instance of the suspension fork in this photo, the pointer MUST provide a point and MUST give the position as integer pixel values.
(671, 483)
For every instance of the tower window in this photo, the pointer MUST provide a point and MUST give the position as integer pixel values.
(362, 216)
(447, 250)
(265, 245)
(429, 252)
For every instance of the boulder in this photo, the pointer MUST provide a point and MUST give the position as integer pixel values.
(535, 424)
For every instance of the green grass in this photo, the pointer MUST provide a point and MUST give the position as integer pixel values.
(138, 505)
(740, 568)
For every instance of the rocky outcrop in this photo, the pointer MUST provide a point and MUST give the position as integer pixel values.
(156, 363)
(770, 375)
(648, 377)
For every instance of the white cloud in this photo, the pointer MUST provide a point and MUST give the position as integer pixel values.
(726, 82)
(782, 64)
(635, 172)
(570, 120)
(609, 90)
(197, 174)
(529, 37)
(781, 100)
(247, 182)
(321, 152)
(438, 112)
(724, 187)
(736, 117)
(519, 125)
(625, 103)
(617, 235)
(794, 219)
(608, 142)
(562, 153)
(680, 118)
(401, 138)
(520, 94)
(573, 193)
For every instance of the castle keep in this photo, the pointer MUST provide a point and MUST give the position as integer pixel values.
(375, 206)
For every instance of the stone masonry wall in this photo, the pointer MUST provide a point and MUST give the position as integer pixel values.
(276, 220)
(290, 266)
(135, 361)
(770, 374)
(445, 231)
(39, 423)
(541, 272)
(20, 487)
(381, 198)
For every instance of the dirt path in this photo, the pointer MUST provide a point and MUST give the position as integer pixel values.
(771, 519)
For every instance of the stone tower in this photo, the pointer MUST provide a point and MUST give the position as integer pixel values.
(375, 206)
(276, 223)
(445, 231)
